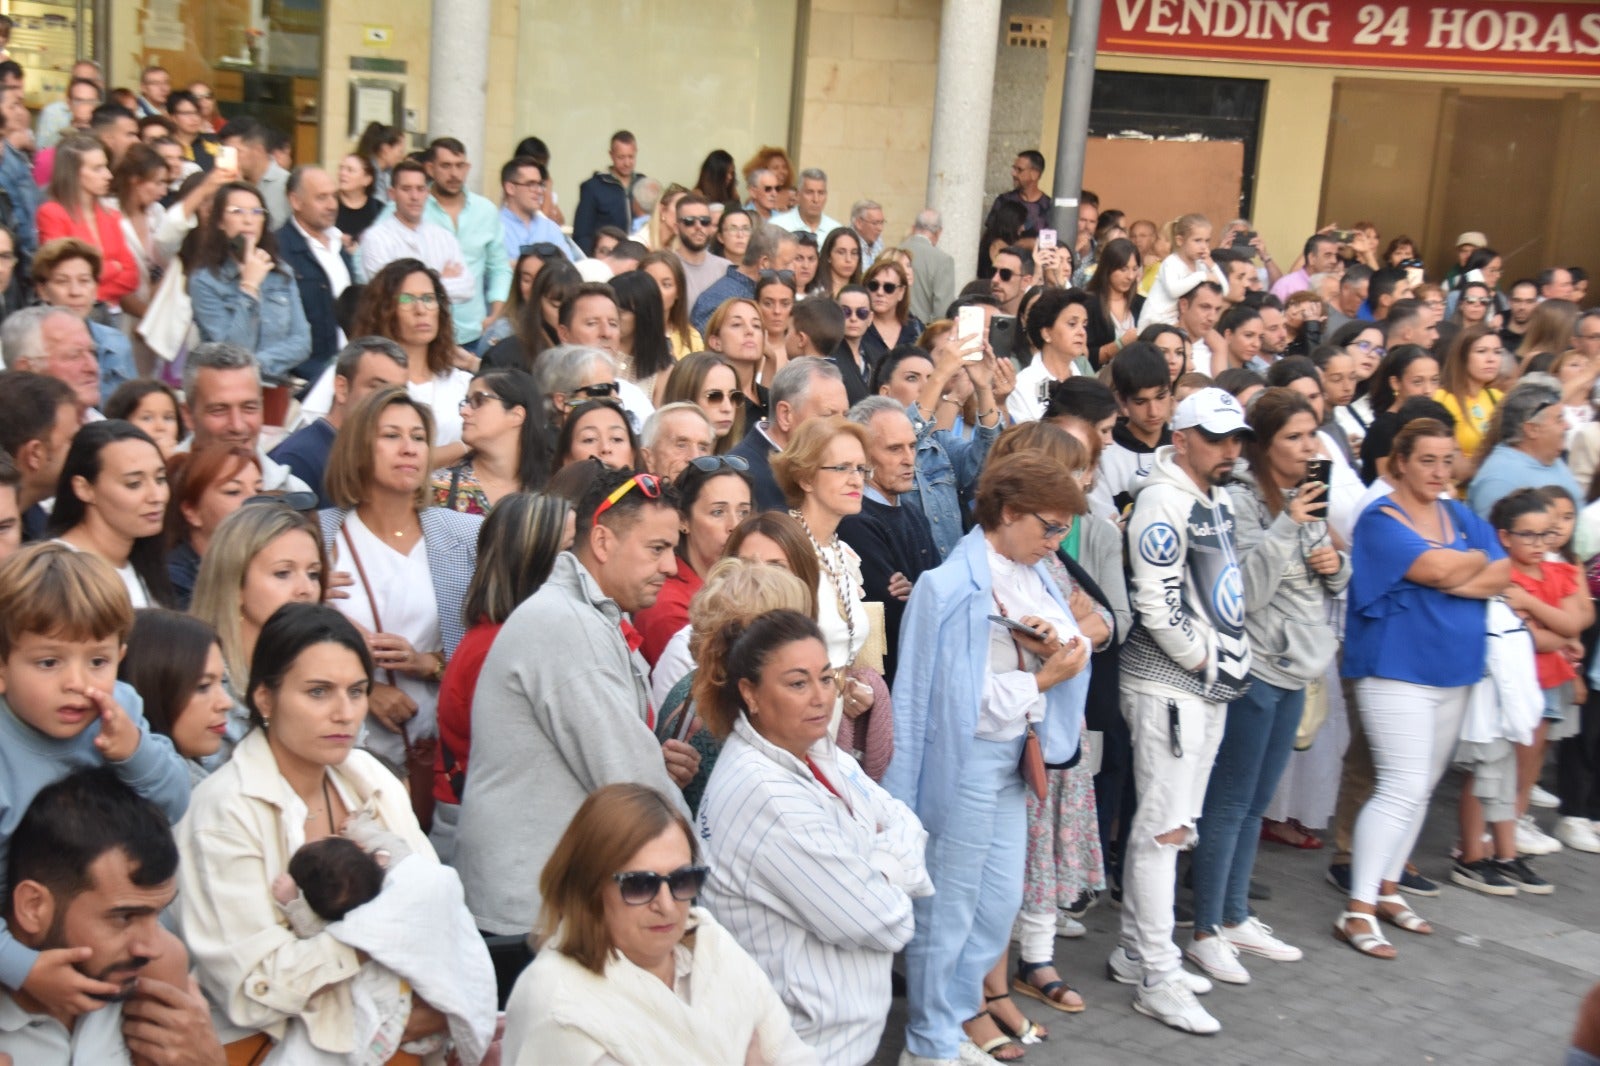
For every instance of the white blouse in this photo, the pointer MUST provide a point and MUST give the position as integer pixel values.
(402, 585)
(844, 639)
(443, 393)
(1011, 696)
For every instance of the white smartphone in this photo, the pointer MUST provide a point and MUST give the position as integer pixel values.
(969, 327)
(228, 157)
(1047, 238)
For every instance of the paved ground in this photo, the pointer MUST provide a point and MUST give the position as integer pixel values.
(1498, 983)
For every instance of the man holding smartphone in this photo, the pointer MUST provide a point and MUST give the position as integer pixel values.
(1185, 659)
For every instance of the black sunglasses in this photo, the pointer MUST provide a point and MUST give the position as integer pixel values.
(641, 886)
(694, 220)
(543, 249)
(863, 313)
(707, 464)
(603, 390)
(1004, 273)
(888, 288)
(785, 276)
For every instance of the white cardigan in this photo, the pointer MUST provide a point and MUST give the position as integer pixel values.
(243, 824)
(817, 888)
(562, 1013)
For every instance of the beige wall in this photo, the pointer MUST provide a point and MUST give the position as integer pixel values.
(409, 23)
(867, 110)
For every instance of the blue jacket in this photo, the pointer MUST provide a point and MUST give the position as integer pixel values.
(316, 299)
(16, 180)
(274, 327)
(602, 201)
(756, 450)
(939, 682)
(948, 466)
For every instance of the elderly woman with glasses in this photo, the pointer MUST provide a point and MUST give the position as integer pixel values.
(502, 422)
(823, 474)
(989, 690)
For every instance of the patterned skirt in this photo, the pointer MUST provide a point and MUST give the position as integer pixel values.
(1064, 859)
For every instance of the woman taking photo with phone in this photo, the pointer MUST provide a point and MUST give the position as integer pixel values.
(1292, 572)
(241, 293)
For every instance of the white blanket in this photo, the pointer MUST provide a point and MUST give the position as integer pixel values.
(419, 927)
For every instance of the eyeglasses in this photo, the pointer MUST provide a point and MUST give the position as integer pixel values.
(769, 188)
(718, 395)
(1529, 536)
(707, 464)
(1372, 349)
(1051, 530)
(426, 299)
(648, 484)
(252, 212)
(1474, 299)
(888, 288)
(694, 220)
(863, 313)
(1004, 273)
(865, 472)
(476, 400)
(639, 887)
(535, 184)
(603, 390)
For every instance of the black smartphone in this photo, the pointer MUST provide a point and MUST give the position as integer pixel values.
(1311, 333)
(239, 245)
(1320, 472)
(1003, 335)
(1243, 238)
(1014, 626)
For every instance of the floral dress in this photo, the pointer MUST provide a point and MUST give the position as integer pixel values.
(457, 488)
(1064, 858)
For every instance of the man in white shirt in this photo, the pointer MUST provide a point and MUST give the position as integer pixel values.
(1198, 311)
(700, 268)
(314, 249)
(222, 387)
(807, 215)
(404, 234)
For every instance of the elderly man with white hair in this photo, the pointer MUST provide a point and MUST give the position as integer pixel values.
(570, 374)
(675, 436)
(55, 342)
(933, 281)
(807, 215)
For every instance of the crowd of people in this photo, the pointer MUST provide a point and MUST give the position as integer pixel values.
(399, 590)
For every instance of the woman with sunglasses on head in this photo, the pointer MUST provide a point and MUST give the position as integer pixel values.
(242, 294)
(708, 381)
(620, 946)
(667, 270)
(598, 430)
(889, 295)
(502, 422)
(206, 487)
(807, 261)
(814, 866)
(714, 494)
(840, 262)
(775, 296)
(409, 566)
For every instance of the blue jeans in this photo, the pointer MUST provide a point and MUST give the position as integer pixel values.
(976, 865)
(1256, 744)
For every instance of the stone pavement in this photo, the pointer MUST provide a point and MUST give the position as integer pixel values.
(1498, 983)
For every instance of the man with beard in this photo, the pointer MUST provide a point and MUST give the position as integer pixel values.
(475, 223)
(91, 867)
(552, 728)
(1186, 657)
(695, 226)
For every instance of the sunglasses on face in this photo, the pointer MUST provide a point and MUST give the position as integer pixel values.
(1005, 273)
(475, 400)
(650, 485)
(694, 220)
(718, 395)
(863, 313)
(1474, 299)
(604, 390)
(888, 288)
(770, 188)
(639, 887)
(707, 464)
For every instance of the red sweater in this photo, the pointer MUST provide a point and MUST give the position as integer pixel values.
(455, 709)
(661, 621)
(119, 271)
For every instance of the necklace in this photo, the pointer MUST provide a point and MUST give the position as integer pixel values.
(833, 567)
(327, 807)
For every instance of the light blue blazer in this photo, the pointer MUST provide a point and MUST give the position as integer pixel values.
(939, 680)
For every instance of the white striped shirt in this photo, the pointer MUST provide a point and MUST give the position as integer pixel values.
(389, 239)
(816, 888)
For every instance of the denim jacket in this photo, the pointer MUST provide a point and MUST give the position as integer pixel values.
(947, 469)
(16, 180)
(273, 327)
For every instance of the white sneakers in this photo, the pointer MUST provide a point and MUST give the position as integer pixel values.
(1540, 798)
(1578, 834)
(1218, 958)
(1068, 927)
(970, 1055)
(1531, 840)
(1171, 1002)
(1253, 937)
(1126, 970)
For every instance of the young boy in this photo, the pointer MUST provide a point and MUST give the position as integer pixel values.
(1143, 384)
(64, 617)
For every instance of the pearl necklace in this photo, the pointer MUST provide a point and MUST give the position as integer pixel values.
(838, 575)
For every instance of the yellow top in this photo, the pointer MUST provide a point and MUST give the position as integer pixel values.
(1473, 423)
(679, 348)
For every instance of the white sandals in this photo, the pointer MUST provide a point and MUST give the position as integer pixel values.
(1403, 917)
(1369, 943)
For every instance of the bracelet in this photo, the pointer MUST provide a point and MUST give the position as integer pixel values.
(950, 399)
(985, 414)
(1121, 344)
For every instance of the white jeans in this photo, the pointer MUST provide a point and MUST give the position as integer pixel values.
(1412, 730)
(1171, 792)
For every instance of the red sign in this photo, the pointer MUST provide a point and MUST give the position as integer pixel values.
(1480, 36)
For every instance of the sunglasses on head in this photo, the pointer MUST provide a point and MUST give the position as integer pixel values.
(543, 249)
(888, 288)
(707, 464)
(718, 395)
(863, 313)
(295, 501)
(604, 390)
(1004, 273)
(648, 484)
(639, 887)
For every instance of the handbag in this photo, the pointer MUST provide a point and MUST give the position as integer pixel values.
(1031, 764)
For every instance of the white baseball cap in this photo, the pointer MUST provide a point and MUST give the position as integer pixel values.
(1214, 412)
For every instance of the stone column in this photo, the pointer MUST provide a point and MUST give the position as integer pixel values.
(969, 32)
(458, 73)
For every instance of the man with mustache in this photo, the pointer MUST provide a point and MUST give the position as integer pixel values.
(92, 865)
(562, 706)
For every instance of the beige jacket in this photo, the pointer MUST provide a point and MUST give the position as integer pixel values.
(243, 824)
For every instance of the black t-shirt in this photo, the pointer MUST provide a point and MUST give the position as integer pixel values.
(353, 221)
(1511, 339)
(1377, 443)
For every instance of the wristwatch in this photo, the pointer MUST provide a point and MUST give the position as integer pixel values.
(438, 671)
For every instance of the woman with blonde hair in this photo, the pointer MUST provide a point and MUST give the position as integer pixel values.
(1549, 329)
(735, 332)
(618, 956)
(667, 270)
(1189, 264)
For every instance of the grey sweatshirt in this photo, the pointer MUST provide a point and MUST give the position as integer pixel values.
(559, 711)
(1292, 639)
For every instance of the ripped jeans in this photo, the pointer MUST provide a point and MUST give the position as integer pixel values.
(1171, 791)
